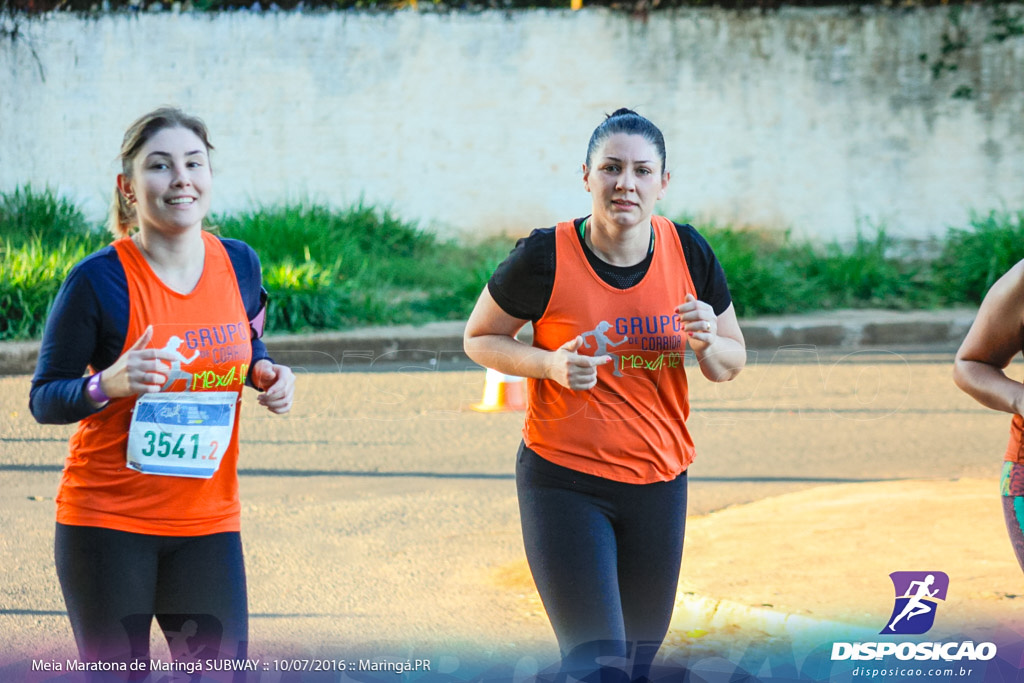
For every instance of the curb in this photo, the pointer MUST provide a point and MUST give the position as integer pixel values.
(437, 345)
(18, 358)
(862, 328)
(428, 346)
(693, 611)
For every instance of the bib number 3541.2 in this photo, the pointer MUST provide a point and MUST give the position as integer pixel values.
(181, 434)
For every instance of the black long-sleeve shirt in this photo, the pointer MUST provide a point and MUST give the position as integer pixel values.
(88, 323)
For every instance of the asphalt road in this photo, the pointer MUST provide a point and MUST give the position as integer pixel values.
(379, 517)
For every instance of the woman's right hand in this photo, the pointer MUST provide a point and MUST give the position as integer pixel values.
(572, 370)
(138, 371)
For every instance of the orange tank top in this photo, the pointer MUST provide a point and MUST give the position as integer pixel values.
(631, 427)
(1015, 449)
(208, 328)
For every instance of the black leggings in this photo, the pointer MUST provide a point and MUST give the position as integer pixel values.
(115, 582)
(605, 557)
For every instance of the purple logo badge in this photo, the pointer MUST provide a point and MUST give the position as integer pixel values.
(917, 595)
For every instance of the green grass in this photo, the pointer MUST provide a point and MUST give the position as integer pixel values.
(328, 269)
(764, 269)
(973, 258)
(28, 215)
(30, 275)
(875, 270)
(770, 273)
(42, 235)
(324, 269)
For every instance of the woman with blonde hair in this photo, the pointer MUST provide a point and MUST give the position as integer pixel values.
(148, 515)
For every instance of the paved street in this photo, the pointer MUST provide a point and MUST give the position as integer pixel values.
(380, 516)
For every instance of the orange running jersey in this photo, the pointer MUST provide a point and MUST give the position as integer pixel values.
(631, 426)
(1015, 449)
(209, 330)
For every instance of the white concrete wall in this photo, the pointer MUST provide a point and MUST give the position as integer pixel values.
(812, 120)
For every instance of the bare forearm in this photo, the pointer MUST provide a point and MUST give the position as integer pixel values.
(507, 355)
(722, 360)
(989, 386)
(490, 340)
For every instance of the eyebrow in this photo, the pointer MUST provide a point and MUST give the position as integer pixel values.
(169, 155)
(639, 161)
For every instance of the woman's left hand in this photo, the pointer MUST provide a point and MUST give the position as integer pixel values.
(716, 340)
(277, 382)
(699, 321)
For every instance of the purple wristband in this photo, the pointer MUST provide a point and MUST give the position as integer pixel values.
(94, 391)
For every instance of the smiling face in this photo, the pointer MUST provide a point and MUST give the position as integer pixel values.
(625, 180)
(170, 181)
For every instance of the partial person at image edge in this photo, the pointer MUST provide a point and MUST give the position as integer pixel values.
(995, 338)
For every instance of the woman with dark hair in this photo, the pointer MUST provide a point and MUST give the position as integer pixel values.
(601, 472)
(147, 346)
(996, 337)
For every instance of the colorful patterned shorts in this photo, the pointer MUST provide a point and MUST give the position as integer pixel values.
(1012, 485)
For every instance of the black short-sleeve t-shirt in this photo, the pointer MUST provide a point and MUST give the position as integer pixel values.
(522, 284)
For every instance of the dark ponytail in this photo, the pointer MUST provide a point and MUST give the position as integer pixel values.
(627, 121)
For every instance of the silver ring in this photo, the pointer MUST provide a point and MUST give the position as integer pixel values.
(707, 323)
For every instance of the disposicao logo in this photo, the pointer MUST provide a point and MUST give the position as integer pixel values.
(917, 596)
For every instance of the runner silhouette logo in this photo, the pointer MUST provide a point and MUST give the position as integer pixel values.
(917, 596)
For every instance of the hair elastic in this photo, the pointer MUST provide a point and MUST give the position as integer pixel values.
(95, 391)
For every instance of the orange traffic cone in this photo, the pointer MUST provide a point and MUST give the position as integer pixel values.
(502, 392)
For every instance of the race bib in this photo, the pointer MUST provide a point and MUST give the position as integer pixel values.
(181, 433)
